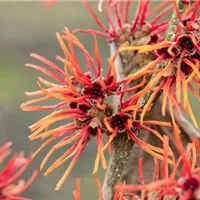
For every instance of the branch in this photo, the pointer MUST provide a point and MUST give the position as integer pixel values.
(174, 22)
(121, 145)
(121, 151)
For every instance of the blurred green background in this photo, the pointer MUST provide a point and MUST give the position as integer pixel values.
(25, 28)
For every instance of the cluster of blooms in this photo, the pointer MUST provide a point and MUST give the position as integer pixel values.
(121, 30)
(83, 93)
(179, 179)
(183, 183)
(141, 31)
(83, 97)
(180, 69)
(10, 185)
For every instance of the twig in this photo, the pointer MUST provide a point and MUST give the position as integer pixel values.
(174, 22)
(121, 151)
(121, 145)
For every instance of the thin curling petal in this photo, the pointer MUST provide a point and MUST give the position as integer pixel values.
(76, 192)
(73, 162)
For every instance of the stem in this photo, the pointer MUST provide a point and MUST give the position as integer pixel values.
(174, 22)
(121, 145)
(121, 151)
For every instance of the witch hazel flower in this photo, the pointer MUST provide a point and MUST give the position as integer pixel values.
(11, 186)
(124, 30)
(181, 184)
(82, 97)
(125, 123)
(138, 32)
(180, 71)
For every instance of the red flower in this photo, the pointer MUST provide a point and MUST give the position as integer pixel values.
(180, 70)
(124, 122)
(10, 174)
(185, 186)
(82, 98)
(124, 30)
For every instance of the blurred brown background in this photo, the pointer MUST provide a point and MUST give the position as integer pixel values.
(29, 27)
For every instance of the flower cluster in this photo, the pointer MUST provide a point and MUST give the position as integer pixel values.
(10, 185)
(83, 98)
(183, 184)
(180, 66)
(167, 68)
(141, 31)
(139, 28)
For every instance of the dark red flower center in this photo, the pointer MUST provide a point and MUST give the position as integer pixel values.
(186, 42)
(73, 105)
(164, 51)
(154, 38)
(95, 91)
(191, 184)
(84, 108)
(92, 131)
(109, 81)
(196, 56)
(119, 121)
(186, 69)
